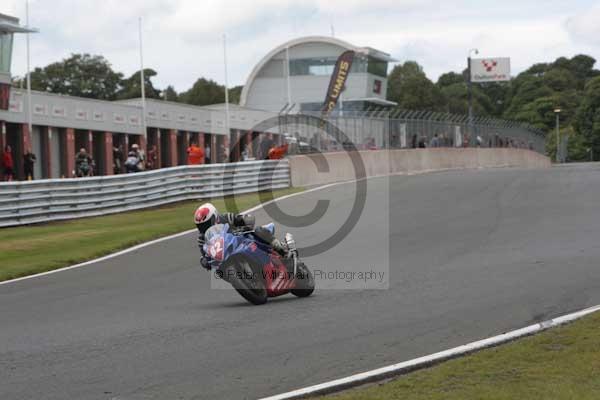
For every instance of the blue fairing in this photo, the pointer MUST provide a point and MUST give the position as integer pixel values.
(221, 245)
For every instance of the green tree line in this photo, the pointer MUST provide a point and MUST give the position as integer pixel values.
(92, 76)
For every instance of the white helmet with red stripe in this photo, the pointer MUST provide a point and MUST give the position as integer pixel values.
(205, 216)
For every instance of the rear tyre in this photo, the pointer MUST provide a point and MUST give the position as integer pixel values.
(305, 282)
(248, 284)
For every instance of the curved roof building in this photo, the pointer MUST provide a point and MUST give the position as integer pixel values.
(296, 75)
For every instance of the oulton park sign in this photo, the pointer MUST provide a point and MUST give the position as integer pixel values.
(490, 69)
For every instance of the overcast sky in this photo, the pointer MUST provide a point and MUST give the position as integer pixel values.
(183, 38)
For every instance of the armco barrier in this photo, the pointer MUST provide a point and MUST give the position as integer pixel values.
(339, 166)
(57, 199)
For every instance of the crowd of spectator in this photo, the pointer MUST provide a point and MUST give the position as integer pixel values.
(266, 148)
(8, 164)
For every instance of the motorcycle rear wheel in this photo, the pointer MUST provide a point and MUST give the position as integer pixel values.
(248, 284)
(305, 282)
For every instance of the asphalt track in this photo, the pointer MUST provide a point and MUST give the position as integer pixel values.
(471, 254)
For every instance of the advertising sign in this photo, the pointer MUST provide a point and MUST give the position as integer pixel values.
(337, 82)
(490, 69)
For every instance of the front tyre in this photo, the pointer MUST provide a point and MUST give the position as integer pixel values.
(305, 282)
(248, 284)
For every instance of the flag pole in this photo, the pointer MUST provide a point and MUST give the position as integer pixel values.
(287, 77)
(142, 82)
(226, 85)
(29, 107)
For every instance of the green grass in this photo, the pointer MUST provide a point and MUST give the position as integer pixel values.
(562, 363)
(39, 248)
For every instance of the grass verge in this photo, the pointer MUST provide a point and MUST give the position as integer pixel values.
(39, 248)
(561, 363)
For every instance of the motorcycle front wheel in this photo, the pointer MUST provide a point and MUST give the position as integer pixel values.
(246, 282)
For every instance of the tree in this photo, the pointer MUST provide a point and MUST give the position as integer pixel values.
(131, 88)
(204, 92)
(169, 94)
(525, 89)
(411, 89)
(450, 78)
(538, 69)
(539, 113)
(235, 93)
(587, 118)
(456, 98)
(559, 79)
(81, 75)
(581, 66)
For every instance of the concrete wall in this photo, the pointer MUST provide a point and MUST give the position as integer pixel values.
(383, 162)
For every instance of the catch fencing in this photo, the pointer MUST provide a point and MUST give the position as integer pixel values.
(32, 202)
(397, 129)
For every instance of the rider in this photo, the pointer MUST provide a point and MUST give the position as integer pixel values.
(207, 215)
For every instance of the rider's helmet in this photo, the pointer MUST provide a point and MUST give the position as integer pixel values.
(205, 216)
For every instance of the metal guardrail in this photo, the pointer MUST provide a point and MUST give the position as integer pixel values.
(23, 203)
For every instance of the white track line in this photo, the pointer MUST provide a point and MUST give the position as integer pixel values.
(426, 361)
(163, 239)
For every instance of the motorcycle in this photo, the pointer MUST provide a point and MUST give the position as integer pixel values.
(251, 266)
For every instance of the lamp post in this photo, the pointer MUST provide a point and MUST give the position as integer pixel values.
(557, 113)
(470, 92)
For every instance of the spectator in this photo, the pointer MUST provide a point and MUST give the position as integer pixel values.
(277, 153)
(152, 160)
(423, 142)
(443, 140)
(466, 140)
(207, 153)
(265, 145)
(117, 160)
(413, 141)
(245, 153)
(314, 144)
(7, 164)
(141, 156)
(222, 154)
(132, 164)
(435, 141)
(28, 160)
(479, 141)
(83, 164)
(371, 144)
(195, 154)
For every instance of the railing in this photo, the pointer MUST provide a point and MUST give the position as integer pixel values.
(33, 202)
(396, 129)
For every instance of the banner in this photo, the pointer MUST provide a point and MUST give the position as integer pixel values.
(4, 96)
(457, 137)
(403, 143)
(337, 82)
(490, 69)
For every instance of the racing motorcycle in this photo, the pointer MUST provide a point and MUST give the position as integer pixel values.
(251, 266)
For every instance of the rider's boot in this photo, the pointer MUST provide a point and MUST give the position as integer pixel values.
(286, 256)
